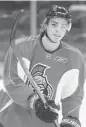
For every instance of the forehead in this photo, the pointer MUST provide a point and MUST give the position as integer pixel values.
(59, 20)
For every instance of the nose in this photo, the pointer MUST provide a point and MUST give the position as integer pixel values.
(58, 28)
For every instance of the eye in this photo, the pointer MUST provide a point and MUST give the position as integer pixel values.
(53, 24)
(63, 27)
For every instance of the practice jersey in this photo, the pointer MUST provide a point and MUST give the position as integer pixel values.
(61, 74)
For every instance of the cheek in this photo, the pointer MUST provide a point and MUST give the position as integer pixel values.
(63, 33)
(49, 31)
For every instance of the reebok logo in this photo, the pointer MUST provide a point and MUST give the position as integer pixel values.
(61, 59)
(56, 58)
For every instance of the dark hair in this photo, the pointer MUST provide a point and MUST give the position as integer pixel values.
(56, 11)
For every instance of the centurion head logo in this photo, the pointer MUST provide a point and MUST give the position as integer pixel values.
(39, 73)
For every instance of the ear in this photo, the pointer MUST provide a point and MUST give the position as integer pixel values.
(45, 26)
(69, 26)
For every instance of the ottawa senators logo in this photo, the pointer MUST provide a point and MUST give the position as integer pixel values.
(39, 73)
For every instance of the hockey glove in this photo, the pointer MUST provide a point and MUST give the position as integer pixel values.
(70, 121)
(46, 114)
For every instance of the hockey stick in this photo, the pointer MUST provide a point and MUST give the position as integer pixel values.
(23, 65)
(19, 57)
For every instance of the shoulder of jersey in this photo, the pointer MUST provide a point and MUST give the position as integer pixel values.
(72, 49)
(24, 39)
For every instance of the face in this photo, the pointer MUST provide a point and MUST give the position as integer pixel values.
(56, 29)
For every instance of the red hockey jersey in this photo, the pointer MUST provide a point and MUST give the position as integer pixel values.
(61, 73)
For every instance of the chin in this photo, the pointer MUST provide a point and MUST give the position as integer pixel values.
(54, 41)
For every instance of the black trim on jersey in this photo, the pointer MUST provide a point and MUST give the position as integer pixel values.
(60, 45)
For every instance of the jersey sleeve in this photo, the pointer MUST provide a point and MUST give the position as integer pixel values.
(73, 95)
(15, 84)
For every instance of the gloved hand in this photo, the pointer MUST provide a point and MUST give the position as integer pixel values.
(47, 114)
(70, 121)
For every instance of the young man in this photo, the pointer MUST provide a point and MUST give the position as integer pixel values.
(57, 68)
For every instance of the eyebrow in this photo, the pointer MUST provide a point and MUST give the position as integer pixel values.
(57, 22)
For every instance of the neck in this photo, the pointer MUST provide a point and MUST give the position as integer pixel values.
(49, 45)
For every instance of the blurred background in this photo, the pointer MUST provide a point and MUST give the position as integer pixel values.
(29, 24)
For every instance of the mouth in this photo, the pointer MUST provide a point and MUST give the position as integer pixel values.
(57, 36)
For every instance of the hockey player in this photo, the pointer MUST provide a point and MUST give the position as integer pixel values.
(57, 68)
